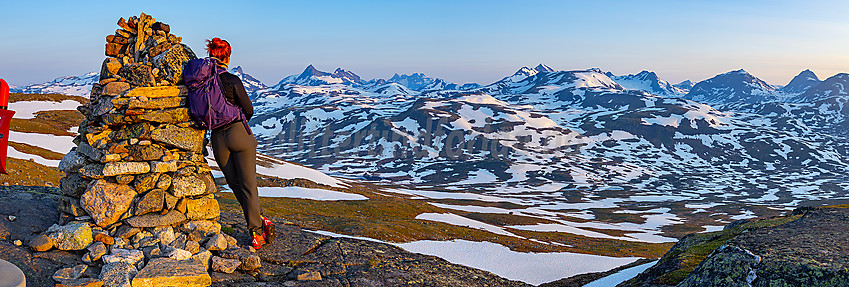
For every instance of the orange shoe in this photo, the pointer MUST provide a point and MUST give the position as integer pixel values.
(258, 240)
(268, 229)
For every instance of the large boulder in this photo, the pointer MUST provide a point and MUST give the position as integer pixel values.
(106, 202)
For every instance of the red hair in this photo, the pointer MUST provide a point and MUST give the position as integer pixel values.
(218, 48)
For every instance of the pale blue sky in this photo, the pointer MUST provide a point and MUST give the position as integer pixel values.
(460, 41)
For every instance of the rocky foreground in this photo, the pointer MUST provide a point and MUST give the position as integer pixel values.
(808, 248)
(297, 258)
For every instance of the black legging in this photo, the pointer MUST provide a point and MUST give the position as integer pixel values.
(235, 152)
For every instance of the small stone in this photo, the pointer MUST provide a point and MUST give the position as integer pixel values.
(309, 276)
(12, 218)
(75, 236)
(129, 256)
(231, 240)
(205, 227)
(106, 202)
(126, 231)
(104, 238)
(18, 242)
(192, 246)
(170, 272)
(165, 234)
(216, 243)
(115, 49)
(117, 274)
(71, 206)
(164, 182)
(66, 274)
(160, 166)
(145, 182)
(203, 257)
(40, 243)
(152, 201)
(151, 252)
(96, 250)
(81, 282)
(124, 178)
(250, 261)
(225, 265)
(161, 26)
(179, 254)
(73, 184)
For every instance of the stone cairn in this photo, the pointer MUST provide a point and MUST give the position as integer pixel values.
(138, 193)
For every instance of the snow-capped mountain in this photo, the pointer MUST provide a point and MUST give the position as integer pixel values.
(540, 87)
(251, 84)
(420, 82)
(542, 131)
(801, 83)
(833, 86)
(685, 86)
(649, 82)
(70, 85)
(313, 77)
(734, 86)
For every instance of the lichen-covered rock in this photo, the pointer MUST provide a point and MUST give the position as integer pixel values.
(115, 88)
(152, 201)
(170, 272)
(67, 274)
(106, 202)
(75, 236)
(137, 74)
(202, 208)
(72, 161)
(73, 184)
(250, 261)
(145, 153)
(185, 186)
(96, 250)
(172, 61)
(130, 256)
(190, 139)
(154, 220)
(126, 167)
(225, 265)
(216, 243)
(70, 205)
(727, 266)
(118, 274)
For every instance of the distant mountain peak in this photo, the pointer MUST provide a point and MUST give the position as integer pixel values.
(543, 68)
(650, 82)
(733, 86)
(801, 83)
(525, 71)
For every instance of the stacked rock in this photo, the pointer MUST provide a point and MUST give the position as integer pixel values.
(138, 193)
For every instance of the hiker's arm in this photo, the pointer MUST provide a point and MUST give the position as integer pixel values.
(243, 100)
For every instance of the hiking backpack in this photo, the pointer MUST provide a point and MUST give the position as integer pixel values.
(207, 104)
